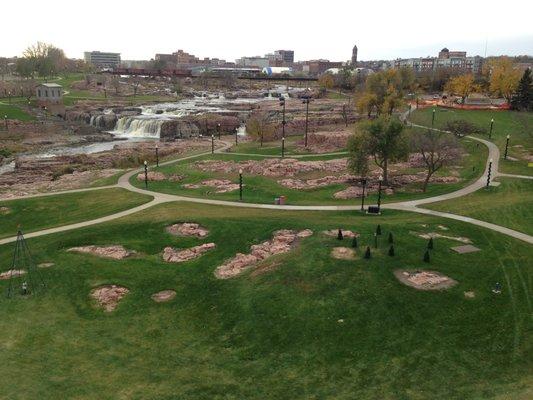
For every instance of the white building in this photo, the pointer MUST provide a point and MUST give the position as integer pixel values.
(50, 93)
(102, 59)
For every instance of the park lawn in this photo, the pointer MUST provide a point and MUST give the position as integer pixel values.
(312, 327)
(518, 124)
(13, 111)
(509, 204)
(259, 189)
(39, 213)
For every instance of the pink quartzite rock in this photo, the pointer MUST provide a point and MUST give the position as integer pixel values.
(11, 273)
(115, 252)
(188, 229)
(108, 296)
(152, 176)
(176, 255)
(282, 242)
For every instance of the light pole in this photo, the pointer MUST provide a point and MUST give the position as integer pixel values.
(236, 133)
(506, 147)
(5, 120)
(146, 174)
(282, 147)
(283, 122)
(306, 102)
(379, 193)
(9, 95)
(491, 124)
(363, 181)
(218, 130)
(212, 144)
(157, 155)
(240, 184)
(433, 119)
(488, 173)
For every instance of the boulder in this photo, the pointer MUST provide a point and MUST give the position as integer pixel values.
(172, 255)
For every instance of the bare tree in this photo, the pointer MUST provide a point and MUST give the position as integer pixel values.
(260, 125)
(438, 149)
(115, 83)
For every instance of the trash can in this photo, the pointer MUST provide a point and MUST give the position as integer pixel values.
(282, 200)
(276, 201)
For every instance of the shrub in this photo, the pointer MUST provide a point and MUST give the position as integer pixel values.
(378, 230)
(354, 242)
(430, 244)
(367, 252)
(426, 256)
(391, 240)
(461, 127)
(340, 235)
(391, 250)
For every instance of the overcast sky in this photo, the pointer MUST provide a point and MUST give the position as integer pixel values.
(232, 28)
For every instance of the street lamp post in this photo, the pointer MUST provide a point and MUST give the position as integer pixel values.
(379, 192)
(283, 122)
(506, 147)
(212, 144)
(306, 102)
(157, 155)
(218, 130)
(146, 174)
(236, 133)
(433, 119)
(489, 172)
(9, 95)
(491, 124)
(5, 120)
(240, 184)
(282, 147)
(363, 181)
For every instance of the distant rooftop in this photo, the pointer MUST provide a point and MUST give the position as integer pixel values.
(51, 85)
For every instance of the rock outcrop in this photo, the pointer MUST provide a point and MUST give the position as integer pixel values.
(188, 229)
(115, 252)
(172, 255)
(282, 242)
(108, 296)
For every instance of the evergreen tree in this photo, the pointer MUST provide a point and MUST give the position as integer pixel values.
(354, 242)
(430, 244)
(378, 230)
(523, 98)
(340, 236)
(391, 250)
(426, 256)
(367, 252)
(391, 240)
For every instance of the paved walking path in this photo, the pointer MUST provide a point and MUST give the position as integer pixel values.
(411, 206)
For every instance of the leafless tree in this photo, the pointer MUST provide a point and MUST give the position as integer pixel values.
(437, 149)
(260, 125)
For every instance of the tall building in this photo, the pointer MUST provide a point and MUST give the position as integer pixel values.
(287, 56)
(102, 59)
(259, 62)
(354, 56)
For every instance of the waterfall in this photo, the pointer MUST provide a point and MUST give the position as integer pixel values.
(138, 127)
(241, 130)
(96, 121)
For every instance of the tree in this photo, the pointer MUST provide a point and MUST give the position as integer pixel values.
(378, 230)
(426, 256)
(354, 242)
(367, 103)
(340, 236)
(46, 60)
(383, 140)
(504, 78)
(430, 243)
(523, 98)
(391, 240)
(115, 84)
(462, 86)
(367, 252)
(25, 67)
(326, 81)
(438, 149)
(260, 126)
(391, 250)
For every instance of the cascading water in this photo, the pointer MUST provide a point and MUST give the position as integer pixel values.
(139, 126)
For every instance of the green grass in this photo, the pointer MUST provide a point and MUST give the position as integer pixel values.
(13, 112)
(508, 205)
(276, 335)
(260, 189)
(45, 212)
(518, 124)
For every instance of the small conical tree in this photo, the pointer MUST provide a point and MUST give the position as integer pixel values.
(523, 98)
(354, 242)
(391, 250)
(378, 230)
(391, 240)
(375, 240)
(430, 244)
(426, 256)
(340, 236)
(367, 252)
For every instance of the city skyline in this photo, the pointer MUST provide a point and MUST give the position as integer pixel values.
(217, 34)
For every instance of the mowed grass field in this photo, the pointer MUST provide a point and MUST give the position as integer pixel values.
(509, 205)
(310, 328)
(517, 124)
(45, 212)
(259, 189)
